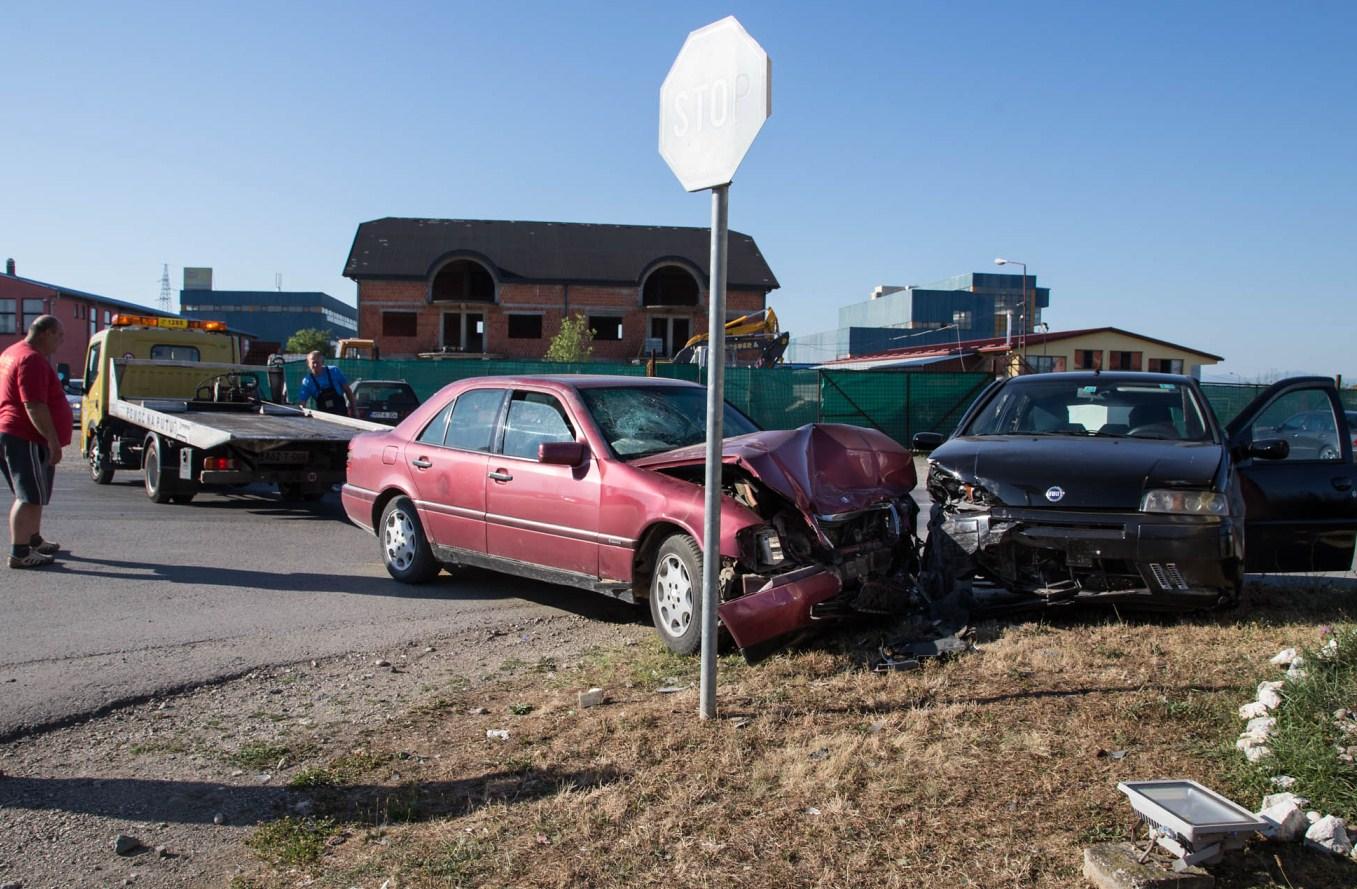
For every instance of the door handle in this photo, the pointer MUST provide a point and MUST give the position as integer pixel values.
(500, 475)
(1343, 483)
(421, 463)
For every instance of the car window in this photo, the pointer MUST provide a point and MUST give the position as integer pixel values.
(92, 368)
(174, 353)
(395, 394)
(1123, 409)
(640, 420)
(472, 425)
(435, 432)
(1304, 419)
(534, 418)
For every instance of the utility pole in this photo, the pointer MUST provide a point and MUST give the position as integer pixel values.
(165, 288)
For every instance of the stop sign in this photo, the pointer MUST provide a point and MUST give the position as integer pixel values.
(713, 103)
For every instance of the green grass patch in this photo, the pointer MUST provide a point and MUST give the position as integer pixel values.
(313, 777)
(259, 756)
(458, 862)
(292, 840)
(520, 709)
(1306, 740)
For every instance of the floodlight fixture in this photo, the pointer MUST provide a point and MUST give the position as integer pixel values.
(1193, 822)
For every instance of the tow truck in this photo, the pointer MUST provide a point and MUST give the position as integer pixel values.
(169, 397)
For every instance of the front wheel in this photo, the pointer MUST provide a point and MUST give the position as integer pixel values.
(405, 549)
(101, 467)
(676, 594)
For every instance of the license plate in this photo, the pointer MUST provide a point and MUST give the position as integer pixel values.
(284, 457)
(383, 415)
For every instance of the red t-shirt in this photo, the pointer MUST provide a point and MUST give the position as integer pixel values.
(26, 376)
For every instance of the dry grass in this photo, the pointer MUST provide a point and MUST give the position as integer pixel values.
(987, 771)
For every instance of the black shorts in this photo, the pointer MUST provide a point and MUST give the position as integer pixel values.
(26, 469)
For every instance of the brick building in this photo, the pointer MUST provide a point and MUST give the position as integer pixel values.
(500, 288)
(23, 299)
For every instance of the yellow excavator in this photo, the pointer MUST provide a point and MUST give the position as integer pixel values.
(752, 340)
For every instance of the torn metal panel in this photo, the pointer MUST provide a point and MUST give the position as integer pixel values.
(782, 606)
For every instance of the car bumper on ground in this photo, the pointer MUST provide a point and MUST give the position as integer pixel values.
(781, 606)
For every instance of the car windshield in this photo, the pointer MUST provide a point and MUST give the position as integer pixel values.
(641, 420)
(394, 394)
(1078, 407)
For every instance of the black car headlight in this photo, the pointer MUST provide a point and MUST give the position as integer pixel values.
(1201, 503)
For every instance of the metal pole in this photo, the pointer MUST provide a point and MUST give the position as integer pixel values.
(716, 382)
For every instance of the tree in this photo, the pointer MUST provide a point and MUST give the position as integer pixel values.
(573, 342)
(307, 340)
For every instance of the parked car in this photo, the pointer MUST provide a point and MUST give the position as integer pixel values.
(1312, 433)
(1124, 487)
(596, 482)
(75, 390)
(384, 401)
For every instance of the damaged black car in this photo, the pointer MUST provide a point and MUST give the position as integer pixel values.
(1124, 487)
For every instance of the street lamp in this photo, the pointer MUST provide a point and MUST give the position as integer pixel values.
(1022, 327)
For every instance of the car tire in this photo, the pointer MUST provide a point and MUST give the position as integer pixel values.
(1329, 453)
(182, 499)
(159, 487)
(405, 549)
(101, 467)
(676, 594)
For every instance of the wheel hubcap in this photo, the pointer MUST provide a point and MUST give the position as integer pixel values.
(152, 470)
(398, 540)
(674, 594)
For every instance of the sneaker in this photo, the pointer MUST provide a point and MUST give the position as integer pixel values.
(48, 548)
(34, 559)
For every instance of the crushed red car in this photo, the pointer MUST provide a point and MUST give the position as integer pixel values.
(596, 482)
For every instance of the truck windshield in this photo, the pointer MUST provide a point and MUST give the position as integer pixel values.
(1120, 409)
(641, 420)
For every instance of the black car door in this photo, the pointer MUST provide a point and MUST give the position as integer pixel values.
(1300, 509)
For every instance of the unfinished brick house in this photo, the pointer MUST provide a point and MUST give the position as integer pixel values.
(500, 289)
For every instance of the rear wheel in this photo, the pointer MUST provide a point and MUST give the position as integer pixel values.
(182, 498)
(405, 549)
(676, 594)
(159, 486)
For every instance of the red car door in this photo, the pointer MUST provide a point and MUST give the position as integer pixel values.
(538, 513)
(448, 464)
(1300, 510)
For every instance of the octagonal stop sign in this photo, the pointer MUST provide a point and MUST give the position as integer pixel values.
(713, 103)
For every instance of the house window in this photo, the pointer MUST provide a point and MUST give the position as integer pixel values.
(400, 324)
(1044, 364)
(463, 280)
(7, 320)
(1124, 360)
(94, 325)
(606, 328)
(33, 310)
(962, 319)
(672, 332)
(464, 331)
(670, 286)
(1165, 365)
(525, 327)
(1088, 359)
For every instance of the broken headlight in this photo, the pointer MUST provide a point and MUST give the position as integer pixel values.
(1203, 503)
(768, 545)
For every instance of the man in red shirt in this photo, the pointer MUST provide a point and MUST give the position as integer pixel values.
(35, 424)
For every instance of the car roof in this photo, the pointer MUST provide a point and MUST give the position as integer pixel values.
(1103, 376)
(584, 381)
(381, 383)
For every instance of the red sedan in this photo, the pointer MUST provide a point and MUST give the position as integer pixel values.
(596, 482)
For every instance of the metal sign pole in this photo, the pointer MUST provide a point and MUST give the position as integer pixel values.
(716, 401)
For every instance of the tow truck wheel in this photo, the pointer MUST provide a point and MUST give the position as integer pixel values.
(101, 467)
(676, 594)
(405, 549)
(158, 487)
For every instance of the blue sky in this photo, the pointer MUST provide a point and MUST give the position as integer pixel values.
(1185, 170)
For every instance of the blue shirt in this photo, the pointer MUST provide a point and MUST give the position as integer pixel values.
(330, 378)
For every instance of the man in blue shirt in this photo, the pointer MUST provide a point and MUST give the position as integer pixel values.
(326, 384)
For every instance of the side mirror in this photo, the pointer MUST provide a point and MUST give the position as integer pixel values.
(1270, 449)
(927, 441)
(562, 453)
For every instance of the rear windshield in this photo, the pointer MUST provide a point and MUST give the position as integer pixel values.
(395, 395)
(1169, 411)
(641, 420)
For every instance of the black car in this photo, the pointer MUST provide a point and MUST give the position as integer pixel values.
(1124, 486)
(384, 401)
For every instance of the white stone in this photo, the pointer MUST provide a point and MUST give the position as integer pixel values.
(1284, 657)
(1256, 754)
(1269, 695)
(591, 698)
(497, 734)
(1296, 672)
(1285, 782)
(1313, 816)
(1276, 799)
(1261, 726)
(1286, 821)
(1252, 710)
(1331, 833)
(1329, 650)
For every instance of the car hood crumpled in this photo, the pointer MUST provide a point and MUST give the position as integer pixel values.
(822, 468)
(1092, 473)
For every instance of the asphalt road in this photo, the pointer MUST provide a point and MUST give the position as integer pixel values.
(148, 598)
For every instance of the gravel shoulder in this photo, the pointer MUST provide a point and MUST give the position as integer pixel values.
(190, 775)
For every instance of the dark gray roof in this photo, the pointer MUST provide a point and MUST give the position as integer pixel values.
(107, 300)
(546, 251)
(298, 298)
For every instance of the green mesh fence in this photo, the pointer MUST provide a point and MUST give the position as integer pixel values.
(899, 403)
(1228, 399)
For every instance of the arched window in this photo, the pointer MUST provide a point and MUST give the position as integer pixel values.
(463, 281)
(670, 285)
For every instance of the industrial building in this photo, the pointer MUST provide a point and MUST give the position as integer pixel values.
(270, 316)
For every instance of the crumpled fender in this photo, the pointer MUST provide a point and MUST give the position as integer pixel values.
(780, 607)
